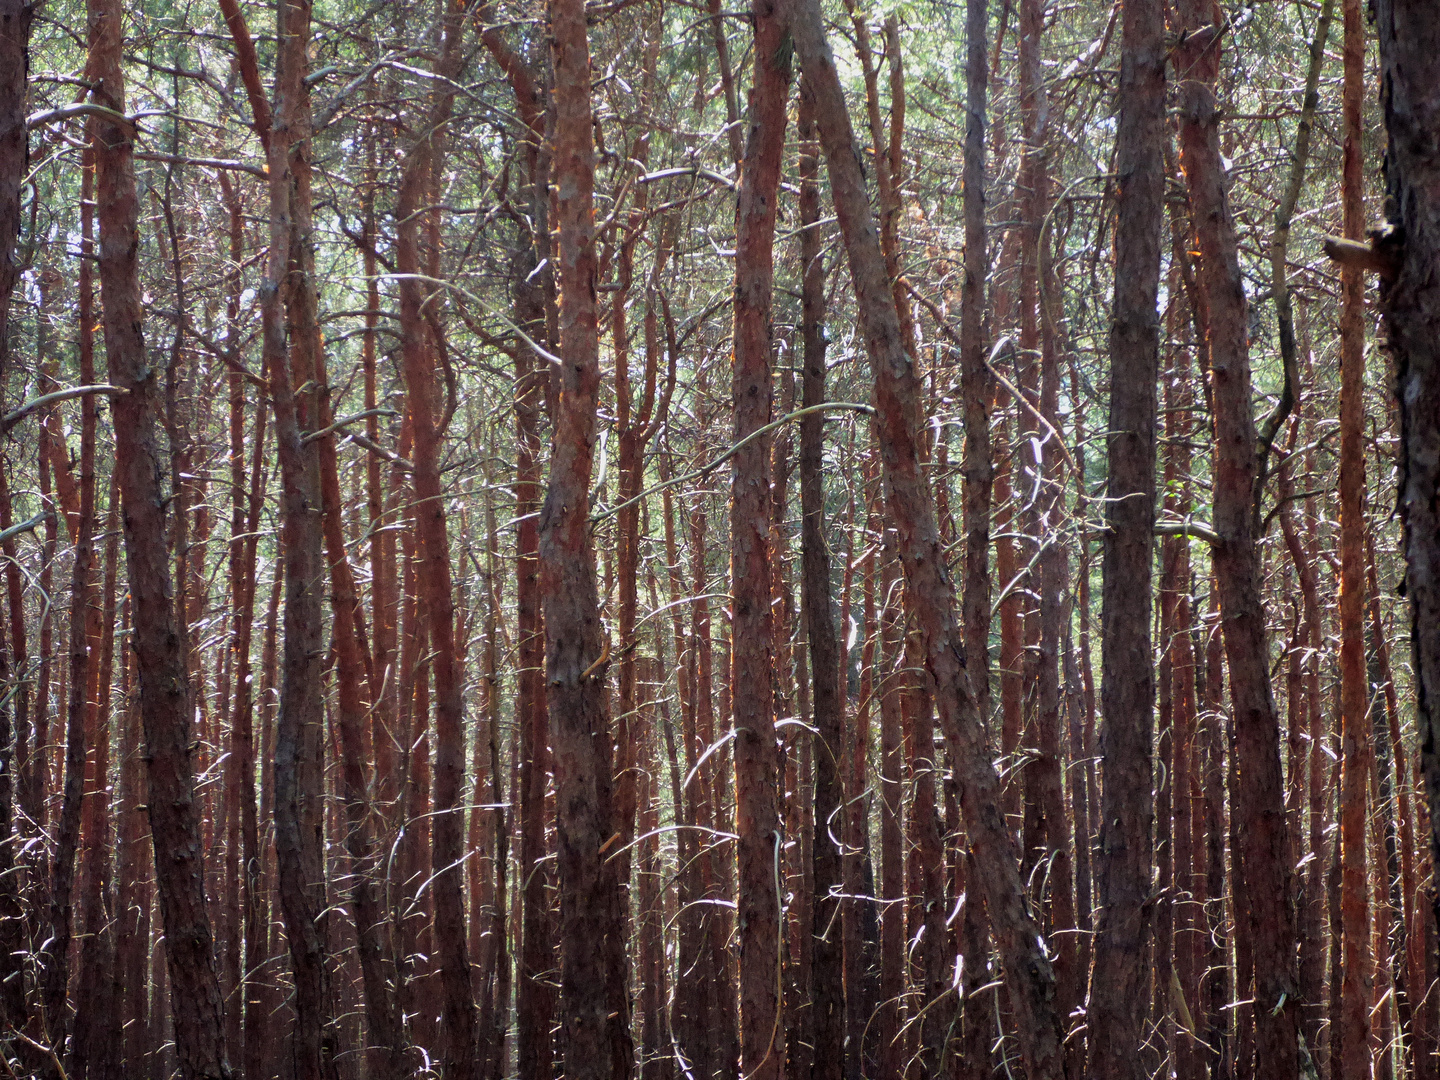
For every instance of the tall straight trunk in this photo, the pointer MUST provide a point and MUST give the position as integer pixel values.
(384, 1035)
(197, 1006)
(634, 431)
(979, 468)
(132, 896)
(827, 986)
(422, 349)
(290, 343)
(594, 998)
(912, 510)
(1269, 918)
(1116, 1014)
(84, 634)
(534, 996)
(16, 17)
(1353, 1031)
(757, 822)
(1409, 35)
(890, 686)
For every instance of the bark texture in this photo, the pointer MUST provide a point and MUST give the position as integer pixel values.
(757, 821)
(912, 509)
(595, 1007)
(165, 706)
(1116, 1011)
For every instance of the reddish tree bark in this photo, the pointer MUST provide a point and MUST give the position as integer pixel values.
(384, 1035)
(912, 509)
(422, 351)
(290, 343)
(827, 986)
(594, 999)
(197, 1007)
(1264, 863)
(757, 821)
(1116, 1012)
(1353, 1030)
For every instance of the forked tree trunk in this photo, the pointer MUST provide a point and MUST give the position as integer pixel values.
(595, 1024)
(1116, 1013)
(912, 510)
(197, 1007)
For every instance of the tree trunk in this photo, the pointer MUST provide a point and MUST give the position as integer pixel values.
(197, 1006)
(912, 509)
(1269, 918)
(1118, 989)
(384, 1036)
(594, 997)
(1353, 1031)
(762, 1042)
(827, 985)
(291, 338)
(1409, 34)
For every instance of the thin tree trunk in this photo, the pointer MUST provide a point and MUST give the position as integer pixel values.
(384, 1036)
(912, 509)
(291, 338)
(1269, 919)
(1353, 1030)
(827, 986)
(16, 17)
(79, 717)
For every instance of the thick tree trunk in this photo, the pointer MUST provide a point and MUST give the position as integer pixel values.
(1409, 33)
(1116, 1013)
(1268, 928)
(595, 1009)
(757, 822)
(197, 1008)
(912, 509)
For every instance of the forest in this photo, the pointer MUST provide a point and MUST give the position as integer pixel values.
(655, 540)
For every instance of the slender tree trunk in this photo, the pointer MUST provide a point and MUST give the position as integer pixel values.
(1269, 918)
(164, 691)
(1117, 997)
(384, 1036)
(1353, 1031)
(911, 506)
(290, 341)
(16, 17)
(79, 715)
(594, 997)
(422, 351)
(827, 987)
